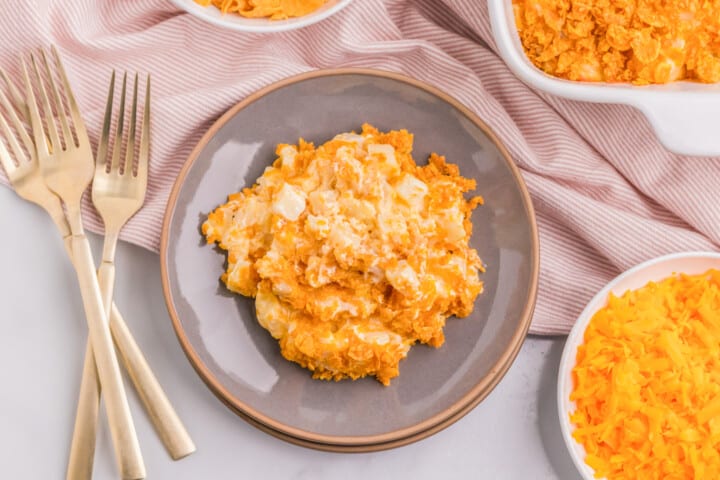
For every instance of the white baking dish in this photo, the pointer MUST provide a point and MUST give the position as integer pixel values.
(685, 115)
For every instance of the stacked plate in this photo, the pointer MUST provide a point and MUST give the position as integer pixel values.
(238, 359)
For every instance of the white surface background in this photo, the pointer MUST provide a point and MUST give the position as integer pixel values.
(513, 434)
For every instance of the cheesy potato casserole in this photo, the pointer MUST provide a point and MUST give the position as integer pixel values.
(352, 251)
(636, 41)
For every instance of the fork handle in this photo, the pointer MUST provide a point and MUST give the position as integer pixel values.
(172, 432)
(122, 430)
(82, 448)
(166, 421)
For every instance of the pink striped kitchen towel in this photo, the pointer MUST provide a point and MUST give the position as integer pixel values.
(607, 194)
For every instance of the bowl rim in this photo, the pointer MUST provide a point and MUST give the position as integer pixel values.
(574, 340)
(388, 439)
(260, 25)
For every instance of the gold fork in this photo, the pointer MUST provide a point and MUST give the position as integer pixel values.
(28, 183)
(118, 191)
(67, 171)
(23, 171)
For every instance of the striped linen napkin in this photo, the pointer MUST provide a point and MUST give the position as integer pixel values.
(607, 195)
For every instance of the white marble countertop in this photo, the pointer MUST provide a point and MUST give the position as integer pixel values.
(513, 434)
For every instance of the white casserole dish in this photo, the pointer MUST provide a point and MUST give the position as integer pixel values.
(684, 115)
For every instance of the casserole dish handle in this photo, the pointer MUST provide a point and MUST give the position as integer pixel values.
(689, 125)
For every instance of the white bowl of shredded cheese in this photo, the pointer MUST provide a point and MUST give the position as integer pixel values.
(683, 114)
(654, 270)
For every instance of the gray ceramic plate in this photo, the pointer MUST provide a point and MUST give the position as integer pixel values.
(239, 360)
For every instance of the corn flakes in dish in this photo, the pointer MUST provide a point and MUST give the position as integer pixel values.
(272, 9)
(352, 251)
(638, 41)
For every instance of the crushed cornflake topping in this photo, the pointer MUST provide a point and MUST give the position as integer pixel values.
(634, 41)
(352, 251)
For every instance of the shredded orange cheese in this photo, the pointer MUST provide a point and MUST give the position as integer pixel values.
(647, 382)
(638, 41)
(273, 9)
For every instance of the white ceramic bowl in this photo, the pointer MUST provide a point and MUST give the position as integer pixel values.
(259, 25)
(685, 115)
(652, 270)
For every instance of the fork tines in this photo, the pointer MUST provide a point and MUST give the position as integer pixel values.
(13, 131)
(53, 106)
(134, 163)
(15, 97)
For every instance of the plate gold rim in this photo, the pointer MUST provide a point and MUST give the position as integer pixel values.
(367, 442)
